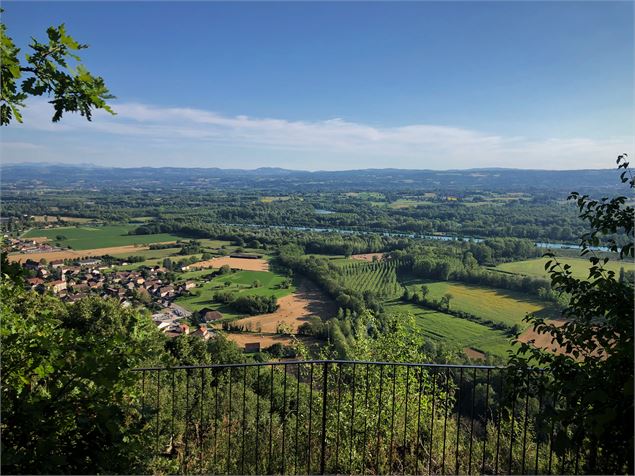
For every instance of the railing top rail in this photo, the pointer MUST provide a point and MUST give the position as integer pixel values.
(300, 362)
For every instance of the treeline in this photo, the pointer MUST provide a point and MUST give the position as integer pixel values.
(448, 268)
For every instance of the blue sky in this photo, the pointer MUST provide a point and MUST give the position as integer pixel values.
(341, 85)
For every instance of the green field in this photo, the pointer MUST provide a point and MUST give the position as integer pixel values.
(408, 203)
(90, 237)
(579, 267)
(380, 277)
(239, 282)
(453, 331)
(498, 305)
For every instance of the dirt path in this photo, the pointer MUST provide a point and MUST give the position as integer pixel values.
(294, 310)
(72, 254)
(242, 338)
(237, 263)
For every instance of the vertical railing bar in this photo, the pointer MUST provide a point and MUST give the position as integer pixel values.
(511, 431)
(526, 423)
(551, 436)
(187, 416)
(457, 462)
(405, 424)
(540, 390)
(337, 427)
(365, 419)
(244, 422)
(379, 408)
(297, 417)
(501, 391)
(158, 408)
(284, 417)
(324, 401)
(563, 462)
(419, 442)
(469, 464)
(269, 462)
(143, 394)
(173, 411)
(392, 418)
(229, 423)
(310, 419)
(486, 418)
(350, 453)
(577, 458)
(200, 425)
(445, 418)
(214, 454)
(257, 436)
(435, 374)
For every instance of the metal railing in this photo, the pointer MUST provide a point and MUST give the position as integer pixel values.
(341, 417)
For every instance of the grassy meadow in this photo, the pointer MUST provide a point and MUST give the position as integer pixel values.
(240, 282)
(92, 237)
(579, 267)
(498, 305)
(453, 331)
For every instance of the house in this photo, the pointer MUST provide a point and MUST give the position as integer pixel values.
(57, 286)
(35, 282)
(56, 263)
(251, 347)
(184, 328)
(210, 315)
(202, 332)
(189, 285)
(166, 291)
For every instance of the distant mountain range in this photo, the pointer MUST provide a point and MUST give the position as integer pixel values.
(62, 176)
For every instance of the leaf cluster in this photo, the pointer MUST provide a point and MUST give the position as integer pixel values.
(592, 379)
(52, 68)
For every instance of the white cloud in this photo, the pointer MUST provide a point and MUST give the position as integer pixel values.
(328, 144)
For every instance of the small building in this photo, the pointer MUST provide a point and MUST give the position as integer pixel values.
(251, 347)
(89, 262)
(34, 282)
(57, 286)
(57, 263)
(202, 331)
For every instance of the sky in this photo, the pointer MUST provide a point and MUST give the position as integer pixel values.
(336, 86)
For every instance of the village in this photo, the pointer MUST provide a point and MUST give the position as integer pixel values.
(150, 287)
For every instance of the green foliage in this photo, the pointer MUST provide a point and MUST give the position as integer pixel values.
(594, 379)
(72, 87)
(13, 271)
(69, 398)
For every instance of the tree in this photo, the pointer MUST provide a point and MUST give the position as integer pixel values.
(47, 71)
(70, 401)
(447, 297)
(424, 292)
(593, 380)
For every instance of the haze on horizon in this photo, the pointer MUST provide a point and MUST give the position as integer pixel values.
(326, 86)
